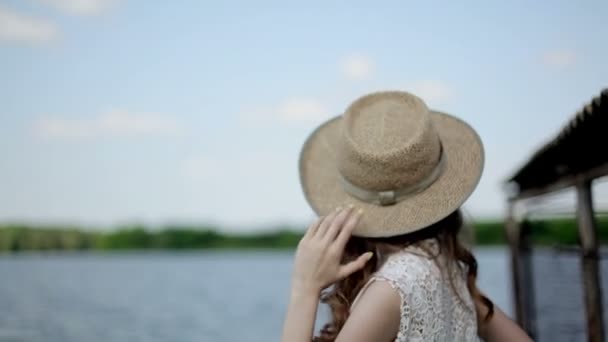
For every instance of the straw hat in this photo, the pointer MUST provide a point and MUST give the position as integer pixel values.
(406, 166)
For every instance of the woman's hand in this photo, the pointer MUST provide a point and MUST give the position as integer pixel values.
(317, 265)
(318, 257)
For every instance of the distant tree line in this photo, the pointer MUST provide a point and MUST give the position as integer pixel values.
(23, 237)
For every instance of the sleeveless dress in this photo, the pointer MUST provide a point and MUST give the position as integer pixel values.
(430, 309)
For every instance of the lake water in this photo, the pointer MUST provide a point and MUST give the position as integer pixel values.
(158, 296)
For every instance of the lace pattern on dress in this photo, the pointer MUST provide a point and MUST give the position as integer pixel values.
(430, 309)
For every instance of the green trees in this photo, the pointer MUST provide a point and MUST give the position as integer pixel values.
(560, 231)
(18, 237)
(21, 238)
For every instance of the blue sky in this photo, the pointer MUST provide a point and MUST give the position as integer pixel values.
(156, 112)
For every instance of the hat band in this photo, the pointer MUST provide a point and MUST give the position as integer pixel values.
(389, 197)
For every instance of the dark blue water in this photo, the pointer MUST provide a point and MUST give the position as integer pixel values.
(195, 296)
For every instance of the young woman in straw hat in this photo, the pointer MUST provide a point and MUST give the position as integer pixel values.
(387, 179)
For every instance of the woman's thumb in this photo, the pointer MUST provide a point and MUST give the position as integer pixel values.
(355, 265)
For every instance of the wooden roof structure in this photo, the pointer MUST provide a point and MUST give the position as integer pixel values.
(574, 158)
(579, 150)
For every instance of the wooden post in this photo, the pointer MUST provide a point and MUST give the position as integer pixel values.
(527, 280)
(512, 227)
(521, 270)
(587, 230)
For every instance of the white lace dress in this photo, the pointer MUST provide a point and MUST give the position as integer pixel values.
(430, 310)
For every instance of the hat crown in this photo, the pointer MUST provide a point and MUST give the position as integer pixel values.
(388, 142)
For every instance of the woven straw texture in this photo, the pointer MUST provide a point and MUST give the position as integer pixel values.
(386, 141)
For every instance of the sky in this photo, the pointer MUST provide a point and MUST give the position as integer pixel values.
(116, 111)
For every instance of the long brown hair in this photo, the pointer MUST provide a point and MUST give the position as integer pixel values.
(341, 295)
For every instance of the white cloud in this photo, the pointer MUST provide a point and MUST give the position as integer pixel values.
(81, 7)
(110, 123)
(200, 169)
(357, 67)
(559, 59)
(292, 110)
(432, 92)
(302, 109)
(17, 27)
(257, 114)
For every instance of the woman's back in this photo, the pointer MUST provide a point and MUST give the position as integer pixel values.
(388, 173)
(430, 308)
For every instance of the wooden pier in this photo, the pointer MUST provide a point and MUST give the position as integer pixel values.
(573, 159)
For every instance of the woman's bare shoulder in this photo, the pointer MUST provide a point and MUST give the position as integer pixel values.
(375, 316)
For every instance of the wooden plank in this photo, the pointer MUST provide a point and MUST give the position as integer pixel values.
(564, 182)
(527, 280)
(587, 229)
(521, 271)
(513, 236)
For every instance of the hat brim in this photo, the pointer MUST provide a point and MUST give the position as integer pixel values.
(464, 155)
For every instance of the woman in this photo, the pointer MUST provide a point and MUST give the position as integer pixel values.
(387, 179)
